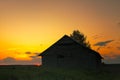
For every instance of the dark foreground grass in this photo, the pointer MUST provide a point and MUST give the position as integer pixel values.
(41, 73)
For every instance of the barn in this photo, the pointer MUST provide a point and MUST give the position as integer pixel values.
(66, 52)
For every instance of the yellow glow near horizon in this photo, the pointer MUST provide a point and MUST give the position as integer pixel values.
(22, 57)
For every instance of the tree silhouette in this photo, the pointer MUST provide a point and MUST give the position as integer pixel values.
(80, 38)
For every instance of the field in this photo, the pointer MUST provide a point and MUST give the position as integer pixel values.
(108, 72)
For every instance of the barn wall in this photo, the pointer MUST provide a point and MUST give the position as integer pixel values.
(49, 60)
(85, 59)
(79, 60)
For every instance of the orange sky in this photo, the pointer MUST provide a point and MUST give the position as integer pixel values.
(33, 25)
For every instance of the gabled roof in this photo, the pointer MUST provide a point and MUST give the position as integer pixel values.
(66, 42)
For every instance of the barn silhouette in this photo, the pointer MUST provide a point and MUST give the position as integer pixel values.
(68, 53)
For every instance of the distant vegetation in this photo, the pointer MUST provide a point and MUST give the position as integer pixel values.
(40, 73)
(80, 38)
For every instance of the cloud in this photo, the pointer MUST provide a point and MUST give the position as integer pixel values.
(28, 53)
(33, 57)
(98, 48)
(12, 61)
(96, 36)
(9, 59)
(109, 47)
(119, 24)
(115, 60)
(118, 48)
(103, 43)
(111, 58)
(36, 53)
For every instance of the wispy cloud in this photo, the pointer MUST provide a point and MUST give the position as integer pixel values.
(32, 53)
(118, 48)
(36, 53)
(28, 52)
(119, 24)
(96, 36)
(103, 43)
(33, 57)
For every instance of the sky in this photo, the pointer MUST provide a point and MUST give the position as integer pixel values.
(28, 27)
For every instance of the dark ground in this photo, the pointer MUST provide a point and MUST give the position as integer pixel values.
(30, 72)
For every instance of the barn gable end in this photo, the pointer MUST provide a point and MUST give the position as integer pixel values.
(68, 53)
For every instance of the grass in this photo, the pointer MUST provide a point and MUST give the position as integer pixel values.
(41, 73)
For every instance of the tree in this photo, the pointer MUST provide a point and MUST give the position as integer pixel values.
(80, 38)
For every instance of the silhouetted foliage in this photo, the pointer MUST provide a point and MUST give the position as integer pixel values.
(80, 38)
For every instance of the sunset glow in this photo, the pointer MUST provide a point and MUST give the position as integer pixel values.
(33, 25)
